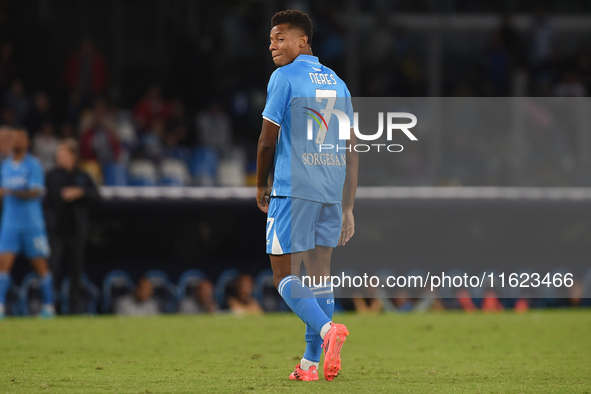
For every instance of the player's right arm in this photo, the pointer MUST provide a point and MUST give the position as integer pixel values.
(278, 100)
(265, 157)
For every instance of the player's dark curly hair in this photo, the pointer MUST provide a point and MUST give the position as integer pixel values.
(295, 18)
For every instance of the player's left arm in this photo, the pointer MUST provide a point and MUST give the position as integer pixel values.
(349, 190)
(25, 194)
(265, 156)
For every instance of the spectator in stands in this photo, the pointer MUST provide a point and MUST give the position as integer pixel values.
(570, 86)
(141, 302)
(511, 40)
(542, 35)
(428, 303)
(151, 107)
(40, 114)
(150, 142)
(5, 142)
(402, 302)
(241, 300)
(45, 145)
(99, 140)
(366, 302)
(70, 195)
(86, 73)
(172, 148)
(541, 50)
(74, 108)
(202, 300)
(497, 66)
(178, 115)
(214, 128)
(575, 294)
(68, 131)
(16, 100)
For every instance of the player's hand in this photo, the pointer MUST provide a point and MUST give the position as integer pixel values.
(72, 193)
(263, 196)
(2, 192)
(348, 228)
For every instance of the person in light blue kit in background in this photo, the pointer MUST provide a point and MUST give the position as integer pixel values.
(23, 226)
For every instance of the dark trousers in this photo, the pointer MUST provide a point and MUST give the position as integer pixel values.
(67, 260)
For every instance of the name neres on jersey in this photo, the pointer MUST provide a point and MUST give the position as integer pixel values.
(323, 79)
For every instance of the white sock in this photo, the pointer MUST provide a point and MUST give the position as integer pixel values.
(306, 364)
(324, 330)
(49, 308)
(1, 308)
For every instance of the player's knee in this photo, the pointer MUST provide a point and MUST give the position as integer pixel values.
(5, 262)
(40, 266)
(278, 276)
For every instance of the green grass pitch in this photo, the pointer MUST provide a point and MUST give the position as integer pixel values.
(539, 351)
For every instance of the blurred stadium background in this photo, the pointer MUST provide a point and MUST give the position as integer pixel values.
(165, 99)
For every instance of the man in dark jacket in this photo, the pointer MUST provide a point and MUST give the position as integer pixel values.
(70, 193)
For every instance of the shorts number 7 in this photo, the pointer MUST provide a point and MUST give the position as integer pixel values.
(269, 225)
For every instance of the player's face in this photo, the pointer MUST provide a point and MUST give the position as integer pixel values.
(286, 44)
(64, 158)
(19, 140)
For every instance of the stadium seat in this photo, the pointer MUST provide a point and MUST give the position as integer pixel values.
(266, 294)
(174, 172)
(232, 170)
(204, 166)
(30, 295)
(90, 293)
(165, 292)
(116, 284)
(143, 173)
(222, 284)
(231, 173)
(187, 283)
(115, 174)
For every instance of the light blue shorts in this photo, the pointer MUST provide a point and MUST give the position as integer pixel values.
(32, 241)
(296, 225)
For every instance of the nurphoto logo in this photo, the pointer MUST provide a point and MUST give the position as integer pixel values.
(323, 118)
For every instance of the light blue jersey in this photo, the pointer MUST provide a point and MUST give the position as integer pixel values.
(25, 175)
(308, 165)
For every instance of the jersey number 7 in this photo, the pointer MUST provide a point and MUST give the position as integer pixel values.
(331, 97)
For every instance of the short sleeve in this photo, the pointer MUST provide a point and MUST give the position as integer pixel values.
(36, 177)
(278, 98)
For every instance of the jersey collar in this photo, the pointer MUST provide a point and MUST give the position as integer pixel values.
(307, 58)
(18, 163)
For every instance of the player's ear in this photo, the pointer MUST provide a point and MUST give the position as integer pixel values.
(303, 41)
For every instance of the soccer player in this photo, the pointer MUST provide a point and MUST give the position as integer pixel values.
(310, 204)
(23, 226)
